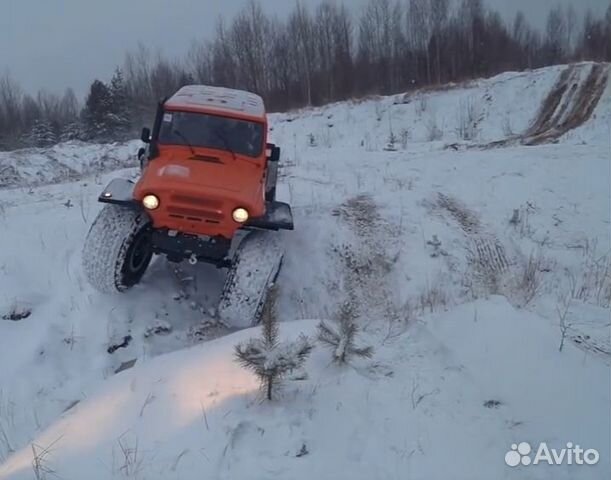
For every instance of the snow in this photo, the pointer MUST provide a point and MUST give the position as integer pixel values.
(416, 411)
(510, 100)
(106, 246)
(64, 162)
(217, 98)
(174, 171)
(259, 256)
(462, 367)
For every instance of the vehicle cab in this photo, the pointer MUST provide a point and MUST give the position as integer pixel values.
(208, 169)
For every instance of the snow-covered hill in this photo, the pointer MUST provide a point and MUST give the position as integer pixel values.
(63, 163)
(462, 259)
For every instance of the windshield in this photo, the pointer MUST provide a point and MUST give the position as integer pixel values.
(211, 131)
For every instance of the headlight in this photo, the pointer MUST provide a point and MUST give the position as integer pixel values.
(150, 202)
(240, 215)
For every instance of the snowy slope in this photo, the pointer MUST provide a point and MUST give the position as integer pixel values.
(64, 162)
(500, 106)
(416, 412)
(420, 238)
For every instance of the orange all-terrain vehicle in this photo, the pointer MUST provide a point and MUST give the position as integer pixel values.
(207, 174)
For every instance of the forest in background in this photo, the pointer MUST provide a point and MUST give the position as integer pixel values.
(312, 57)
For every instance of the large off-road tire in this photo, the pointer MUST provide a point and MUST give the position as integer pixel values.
(117, 249)
(254, 270)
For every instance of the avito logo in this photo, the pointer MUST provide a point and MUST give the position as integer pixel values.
(520, 454)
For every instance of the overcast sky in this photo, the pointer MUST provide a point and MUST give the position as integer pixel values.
(53, 44)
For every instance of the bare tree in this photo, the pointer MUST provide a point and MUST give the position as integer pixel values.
(472, 13)
(199, 61)
(607, 53)
(325, 44)
(303, 47)
(439, 17)
(249, 43)
(343, 64)
(379, 44)
(595, 38)
(556, 35)
(282, 66)
(571, 24)
(10, 103)
(419, 28)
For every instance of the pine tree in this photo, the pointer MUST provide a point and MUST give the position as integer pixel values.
(96, 114)
(41, 135)
(119, 115)
(268, 357)
(71, 132)
(342, 338)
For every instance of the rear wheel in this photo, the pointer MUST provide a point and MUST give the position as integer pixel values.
(254, 269)
(118, 249)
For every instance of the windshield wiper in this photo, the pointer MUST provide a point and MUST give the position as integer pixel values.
(223, 139)
(186, 140)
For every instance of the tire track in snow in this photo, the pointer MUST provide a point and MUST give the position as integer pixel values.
(367, 262)
(569, 104)
(486, 254)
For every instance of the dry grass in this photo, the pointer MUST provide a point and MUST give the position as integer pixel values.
(468, 120)
(520, 220)
(433, 297)
(7, 425)
(466, 218)
(131, 460)
(528, 278)
(433, 132)
(41, 465)
(591, 282)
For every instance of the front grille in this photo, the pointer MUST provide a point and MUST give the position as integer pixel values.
(201, 202)
(196, 209)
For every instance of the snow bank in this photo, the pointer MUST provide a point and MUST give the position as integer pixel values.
(64, 162)
(495, 108)
(480, 112)
(421, 409)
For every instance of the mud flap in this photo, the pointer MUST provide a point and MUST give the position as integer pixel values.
(278, 216)
(119, 191)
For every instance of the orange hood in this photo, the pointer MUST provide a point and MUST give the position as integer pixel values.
(199, 193)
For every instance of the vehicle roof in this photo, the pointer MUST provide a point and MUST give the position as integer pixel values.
(219, 99)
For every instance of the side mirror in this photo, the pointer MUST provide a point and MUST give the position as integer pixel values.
(143, 157)
(275, 154)
(145, 136)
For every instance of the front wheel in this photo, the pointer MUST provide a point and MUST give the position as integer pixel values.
(254, 269)
(118, 249)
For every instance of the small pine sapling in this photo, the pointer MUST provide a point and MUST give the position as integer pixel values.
(391, 145)
(269, 358)
(392, 138)
(341, 338)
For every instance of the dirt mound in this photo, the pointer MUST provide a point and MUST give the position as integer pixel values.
(569, 104)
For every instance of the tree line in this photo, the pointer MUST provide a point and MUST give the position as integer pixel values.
(312, 57)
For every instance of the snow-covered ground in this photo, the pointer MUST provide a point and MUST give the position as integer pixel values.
(462, 305)
(64, 162)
